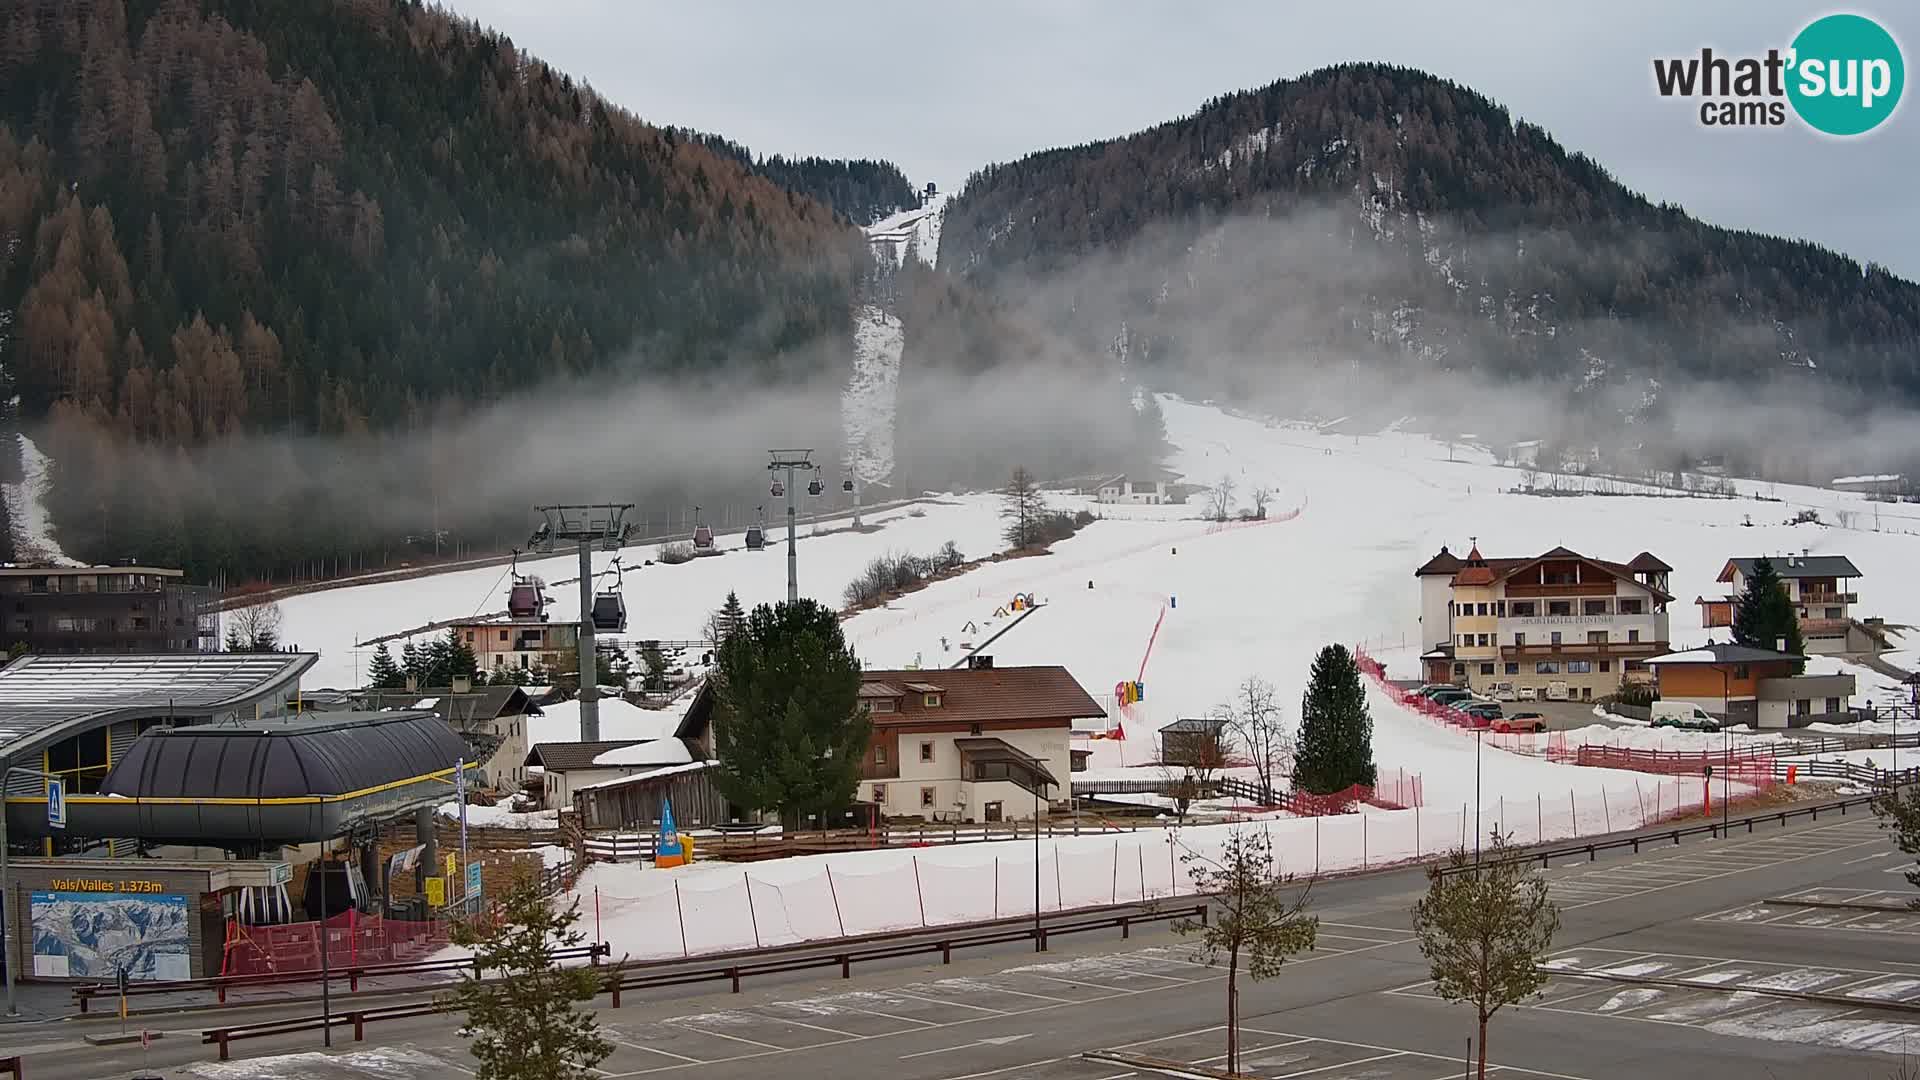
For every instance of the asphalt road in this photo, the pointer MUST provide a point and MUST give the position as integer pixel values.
(1671, 964)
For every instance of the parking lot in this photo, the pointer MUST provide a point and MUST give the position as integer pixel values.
(1707, 960)
(1861, 911)
(1858, 1008)
(978, 1009)
(1576, 885)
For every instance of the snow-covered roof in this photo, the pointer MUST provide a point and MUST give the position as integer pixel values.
(657, 752)
(651, 774)
(1723, 654)
(619, 719)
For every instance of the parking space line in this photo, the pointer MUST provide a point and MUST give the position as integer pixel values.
(1103, 986)
(1343, 1064)
(1010, 1068)
(740, 1038)
(1363, 926)
(1042, 997)
(905, 1019)
(817, 1027)
(1396, 1052)
(665, 1053)
(1867, 858)
(1356, 937)
(962, 1004)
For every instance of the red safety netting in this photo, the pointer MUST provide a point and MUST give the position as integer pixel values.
(352, 939)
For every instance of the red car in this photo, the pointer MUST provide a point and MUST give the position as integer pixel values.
(1526, 721)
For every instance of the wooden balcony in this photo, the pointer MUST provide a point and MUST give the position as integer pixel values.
(1828, 598)
(1584, 588)
(1583, 649)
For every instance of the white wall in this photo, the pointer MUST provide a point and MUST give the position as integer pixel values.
(1053, 746)
(1436, 601)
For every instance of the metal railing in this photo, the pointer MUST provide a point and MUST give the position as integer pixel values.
(734, 968)
(83, 996)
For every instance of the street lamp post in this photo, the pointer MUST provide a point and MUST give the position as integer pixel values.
(1726, 752)
(1477, 741)
(1039, 938)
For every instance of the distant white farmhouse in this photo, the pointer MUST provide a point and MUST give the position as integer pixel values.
(1122, 489)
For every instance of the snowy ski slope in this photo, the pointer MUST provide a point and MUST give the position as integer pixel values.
(1245, 600)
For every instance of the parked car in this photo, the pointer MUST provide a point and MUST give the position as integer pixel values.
(1431, 689)
(1452, 697)
(1486, 710)
(1526, 693)
(1504, 691)
(1684, 715)
(1557, 691)
(1520, 722)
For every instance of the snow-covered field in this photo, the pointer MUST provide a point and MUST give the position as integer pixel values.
(1352, 516)
(666, 603)
(1190, 609)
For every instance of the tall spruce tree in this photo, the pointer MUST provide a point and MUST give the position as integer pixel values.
(1765, 615)
(791, 735)
(383, 673)
(460, 658)
(1335, 748)
(414, 662)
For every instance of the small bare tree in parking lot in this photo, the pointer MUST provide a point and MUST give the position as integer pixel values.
(1485, 927)
(1253, 918)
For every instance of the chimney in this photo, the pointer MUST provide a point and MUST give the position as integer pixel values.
(978, 662)
(413, 684)
(462, 684)
(1780, 644)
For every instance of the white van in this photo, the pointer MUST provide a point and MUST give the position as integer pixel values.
(1682, 714)
(1556, 691)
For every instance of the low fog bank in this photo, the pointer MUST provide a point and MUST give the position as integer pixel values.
(1309, 314)
(1325, 312)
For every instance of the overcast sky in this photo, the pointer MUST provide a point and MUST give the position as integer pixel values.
(942, 89)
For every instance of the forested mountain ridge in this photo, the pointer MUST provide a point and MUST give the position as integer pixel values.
(235, 214)
(1385, 216)
(861, 190)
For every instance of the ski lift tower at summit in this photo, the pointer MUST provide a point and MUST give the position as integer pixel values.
(586, 525)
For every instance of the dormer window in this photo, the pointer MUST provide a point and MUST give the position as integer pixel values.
(930, 695)
(884, 704)
(931, 701)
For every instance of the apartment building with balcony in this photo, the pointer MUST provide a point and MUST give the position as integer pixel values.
(526, 644)
(1531, 623)
(127, 608)
(1822, 591)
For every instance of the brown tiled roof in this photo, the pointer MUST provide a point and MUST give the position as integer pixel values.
(1474, 575)
(562, 756)
(482, 703)
(977, 695)
(1504, 568)
(879, 690)
(1444, 563)
(1646, 561)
